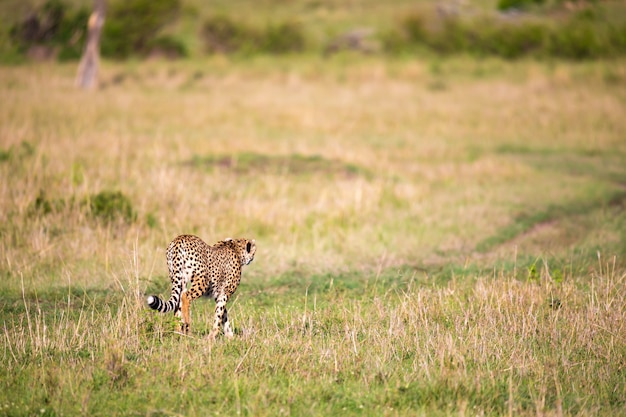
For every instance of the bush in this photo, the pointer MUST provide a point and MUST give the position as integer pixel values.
(508, 40)
(581, 39)
(132, 25)
(221, 34)
(573, 41)
(488, 36)
(168, 47)
(518, 4)
(53, 25)
(414, 27)
(40, 26)
(585, 35)
(617, 36)
(17, 153)
(72, 35)
(112, 205)
(44, 205)
(452, 37)
(410, 32)
(393, 41)
(283, 38)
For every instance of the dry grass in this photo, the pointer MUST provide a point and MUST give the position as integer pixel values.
(414, 221)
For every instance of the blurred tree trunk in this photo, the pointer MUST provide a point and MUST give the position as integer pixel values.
(87, 76)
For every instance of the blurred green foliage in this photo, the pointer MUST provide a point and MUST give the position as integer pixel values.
(222, 34)
(54, 25)
(112, 205)
(132, 27)
(282, 38)
(581, 36)
(518, 4)
(520, 28)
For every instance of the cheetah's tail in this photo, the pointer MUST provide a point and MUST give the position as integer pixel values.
(155, 303)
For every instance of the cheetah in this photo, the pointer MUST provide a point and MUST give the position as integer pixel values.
(195, 269)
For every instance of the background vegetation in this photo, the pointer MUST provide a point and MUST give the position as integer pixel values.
(440, 235)
(174, 28)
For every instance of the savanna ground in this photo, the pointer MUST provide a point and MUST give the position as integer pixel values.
(435, 237)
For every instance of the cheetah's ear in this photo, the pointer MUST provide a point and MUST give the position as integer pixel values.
(249, 246)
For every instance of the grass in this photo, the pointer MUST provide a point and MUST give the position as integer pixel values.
(443, 237)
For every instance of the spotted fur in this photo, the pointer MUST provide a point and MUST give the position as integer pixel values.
(196, 269)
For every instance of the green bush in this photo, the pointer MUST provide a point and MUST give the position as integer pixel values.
(283, 38)
(413, 25)
(72, 35)
(17, 153)
(394, 42)
(112, 205)
(54, 25)
(518, 4)
(221, 34)
(40, 26)
(584, 39)
(617, 36)
(167, 46)
(508, 40)
(574, 40)
(491, 37)
(452, 37)
(44, 205)
(410, 32)
(132, 25)
(585, 35)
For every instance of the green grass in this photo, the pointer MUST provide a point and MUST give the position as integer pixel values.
(440, 237)
(496, 346)
(296, 164)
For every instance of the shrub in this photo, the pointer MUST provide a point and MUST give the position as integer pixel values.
(452, 37)
(132, 25)
(111, 205)
(585, 35)
(17, 153)
(393, 41)
(221, 34)
(72, 35)
(577, 40)
(413, 26)
(508, 39)
(53, 25)
(518, 4)
(283, 38)
(168, 47)
(40, 26)
(411, 31)
(44, 205)
(617, 36)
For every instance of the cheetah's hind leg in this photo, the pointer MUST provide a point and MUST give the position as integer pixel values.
(228, 331)
(185, 315)
(221, 318)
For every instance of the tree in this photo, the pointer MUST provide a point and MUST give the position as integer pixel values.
(87, 76)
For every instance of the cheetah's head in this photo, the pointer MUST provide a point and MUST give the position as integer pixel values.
(247, 249)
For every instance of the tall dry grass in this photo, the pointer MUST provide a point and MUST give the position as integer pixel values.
(416, 223)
